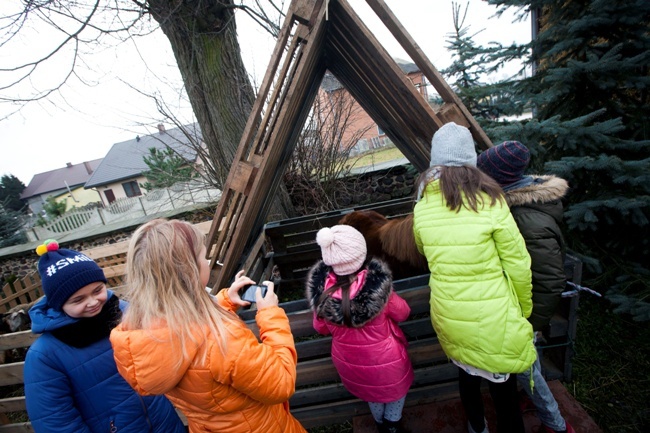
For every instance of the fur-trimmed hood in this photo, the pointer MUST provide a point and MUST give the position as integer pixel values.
(365, 306)
(544, 195)
(544, 189)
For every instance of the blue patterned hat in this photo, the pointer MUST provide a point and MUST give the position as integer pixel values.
(63, 272)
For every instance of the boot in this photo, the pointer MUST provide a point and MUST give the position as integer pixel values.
(381, 427)
(393, 427)
(471, 430)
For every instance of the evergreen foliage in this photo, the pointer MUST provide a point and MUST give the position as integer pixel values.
(591, 125)
(10, 189)
(166, 167)
(11, 225)
(53, 209)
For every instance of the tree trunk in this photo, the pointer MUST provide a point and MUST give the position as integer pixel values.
(203, 36)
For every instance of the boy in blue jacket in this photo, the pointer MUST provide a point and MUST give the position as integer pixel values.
(71, 380)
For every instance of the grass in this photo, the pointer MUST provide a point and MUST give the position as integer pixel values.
(612, 368)
(377, 156)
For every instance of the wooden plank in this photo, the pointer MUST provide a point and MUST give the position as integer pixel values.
(12, 404)
(372, 62)
(383, 112)
(11, 374)
(296, 10)
(16, 340)
(379, 85)
(336, 392)
(23, 427)
(116, 249)
(344, 410)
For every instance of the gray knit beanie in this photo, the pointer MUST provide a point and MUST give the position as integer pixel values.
(453, 145)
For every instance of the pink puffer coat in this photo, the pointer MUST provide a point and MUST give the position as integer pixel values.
(370, 356)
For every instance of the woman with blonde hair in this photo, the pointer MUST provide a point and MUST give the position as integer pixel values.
(178, 340)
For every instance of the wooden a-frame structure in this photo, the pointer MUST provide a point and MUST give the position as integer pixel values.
(320, 35)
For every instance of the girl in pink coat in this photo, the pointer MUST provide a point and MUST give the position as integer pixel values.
(353, 300)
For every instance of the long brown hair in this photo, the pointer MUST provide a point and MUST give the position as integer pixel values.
(464, 186)
(343, 282)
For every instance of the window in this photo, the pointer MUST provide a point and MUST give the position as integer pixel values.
(380, 131)
(131, 189)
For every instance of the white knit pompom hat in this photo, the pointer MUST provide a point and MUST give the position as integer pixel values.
(453, 146)
(343, 248)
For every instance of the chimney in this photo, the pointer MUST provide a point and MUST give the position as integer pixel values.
(161, 128)
(89, 169)
(68, 164)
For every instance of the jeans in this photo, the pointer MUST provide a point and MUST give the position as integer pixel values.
(547, 409)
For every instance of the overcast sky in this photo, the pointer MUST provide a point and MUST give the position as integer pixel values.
(83, 121)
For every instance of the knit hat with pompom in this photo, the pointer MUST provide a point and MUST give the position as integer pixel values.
(343, 248)
(63, 272)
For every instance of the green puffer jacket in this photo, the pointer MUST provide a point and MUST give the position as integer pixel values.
(537, 209)
(480, 283)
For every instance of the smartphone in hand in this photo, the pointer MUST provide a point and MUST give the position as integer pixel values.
(249, 293)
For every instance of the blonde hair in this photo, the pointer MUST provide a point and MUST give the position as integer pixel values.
(164, 285)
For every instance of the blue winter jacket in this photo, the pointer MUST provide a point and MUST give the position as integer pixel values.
(70, 389)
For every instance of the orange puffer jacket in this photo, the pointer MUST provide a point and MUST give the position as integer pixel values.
(244, 390)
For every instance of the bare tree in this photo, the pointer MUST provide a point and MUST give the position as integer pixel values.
(315, 176)
(203, 37)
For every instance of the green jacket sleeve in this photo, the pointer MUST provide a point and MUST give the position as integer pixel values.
(515, 259)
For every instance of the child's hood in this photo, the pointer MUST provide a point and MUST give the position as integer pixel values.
(365, 306)
(148, 359)
(46, 319)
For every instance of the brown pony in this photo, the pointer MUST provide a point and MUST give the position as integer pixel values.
(390, 240)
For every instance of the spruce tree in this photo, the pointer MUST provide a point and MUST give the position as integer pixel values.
(10, 189)
(593, 58)
(590, 125)
(11, 227)
(166, 167)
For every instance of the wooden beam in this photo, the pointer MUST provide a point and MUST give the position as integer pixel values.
(415, 52)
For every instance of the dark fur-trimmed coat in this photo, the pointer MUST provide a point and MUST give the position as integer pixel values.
(537, 209)
(370, 356)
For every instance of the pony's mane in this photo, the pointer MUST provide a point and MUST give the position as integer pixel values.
(398, 241)
(390, 240)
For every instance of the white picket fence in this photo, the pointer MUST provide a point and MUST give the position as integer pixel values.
(177, 197)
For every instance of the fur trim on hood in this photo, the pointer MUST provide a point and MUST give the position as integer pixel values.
(364, 307)
(545, 189)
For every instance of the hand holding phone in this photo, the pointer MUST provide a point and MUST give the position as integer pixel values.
(249, 292)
